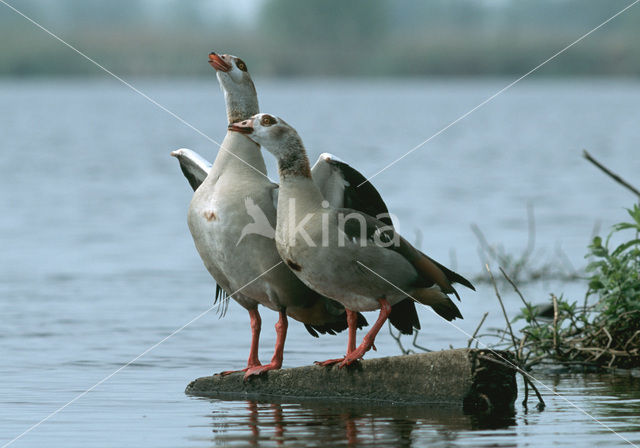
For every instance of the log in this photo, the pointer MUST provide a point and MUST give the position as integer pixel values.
(472, 379)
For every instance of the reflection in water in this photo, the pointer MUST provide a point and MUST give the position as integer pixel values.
(609, 395)
(340, 424)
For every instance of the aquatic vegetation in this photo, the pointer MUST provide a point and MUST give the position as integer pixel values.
(605, 330)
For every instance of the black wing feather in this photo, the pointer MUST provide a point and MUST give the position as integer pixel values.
(335, 327)
(194, 181)
(194, 167)
(453, 277)
(364, 198)
(404, 316)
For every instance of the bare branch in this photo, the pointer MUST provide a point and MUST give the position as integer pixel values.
(473, 336)
(610, 173)
(504, 311)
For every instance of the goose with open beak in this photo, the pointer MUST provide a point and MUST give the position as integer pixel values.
(232, 217)
(232, 255)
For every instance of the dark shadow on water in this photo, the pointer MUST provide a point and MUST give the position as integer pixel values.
(255, 423)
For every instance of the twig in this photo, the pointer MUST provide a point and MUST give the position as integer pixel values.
(473, 336)
(630, 339)
(484, 244)
(541, 403)
(416, 333)
(606, 349)
(535, 361)
(610, 173)
(518, 368)
(517, 290)
(555, 322)
(531, 237)
(522, 342)
(398, 341)
(504, 311)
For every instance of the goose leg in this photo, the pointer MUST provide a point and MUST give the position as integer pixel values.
(369, 339)
(352, 321)
(276, 361)
(256, 325)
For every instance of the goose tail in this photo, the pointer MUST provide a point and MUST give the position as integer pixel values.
(439, 301)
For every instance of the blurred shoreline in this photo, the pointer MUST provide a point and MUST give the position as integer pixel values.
(288, 38)
(498, 80)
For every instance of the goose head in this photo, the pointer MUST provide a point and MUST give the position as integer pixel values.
(271, 132)
(280, 139)
(236, 83)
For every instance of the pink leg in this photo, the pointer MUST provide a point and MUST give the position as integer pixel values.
(276, 361)
(256, 325)
(352, 321)
(369, 339)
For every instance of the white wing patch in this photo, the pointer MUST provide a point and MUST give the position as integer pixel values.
(329, 157)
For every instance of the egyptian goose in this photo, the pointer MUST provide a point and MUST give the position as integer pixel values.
(248, 267)
(343, 253)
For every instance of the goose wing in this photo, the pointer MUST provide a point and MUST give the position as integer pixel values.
(194, 167)
(378, 232)
(338, 181)
(344, 186)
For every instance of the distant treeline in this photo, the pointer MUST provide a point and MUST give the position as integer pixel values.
(323, 38)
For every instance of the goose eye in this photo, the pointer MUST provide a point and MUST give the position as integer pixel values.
(267, 120)
(241, 65)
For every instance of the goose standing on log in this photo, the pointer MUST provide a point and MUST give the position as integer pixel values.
(247, 265)
(338, 182)
(343, 253)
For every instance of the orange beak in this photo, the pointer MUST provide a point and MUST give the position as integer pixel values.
(244, 127)
(218, 63)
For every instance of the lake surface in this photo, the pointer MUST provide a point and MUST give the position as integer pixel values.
(97, 264)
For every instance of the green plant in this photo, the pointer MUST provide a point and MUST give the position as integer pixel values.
(602, 331)
(605, 330)
(615, 282)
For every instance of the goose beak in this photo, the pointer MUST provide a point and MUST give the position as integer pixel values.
(218, 63)
(244, 127)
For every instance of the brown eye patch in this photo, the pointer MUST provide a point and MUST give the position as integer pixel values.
(241, 65)
(267, 120)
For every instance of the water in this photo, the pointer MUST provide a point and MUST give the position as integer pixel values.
(97, 264)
